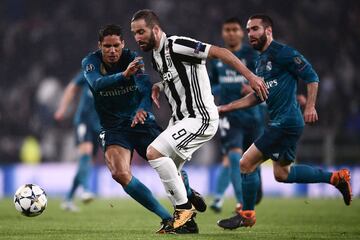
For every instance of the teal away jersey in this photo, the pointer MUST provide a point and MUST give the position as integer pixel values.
(117, 99)
(281, 67)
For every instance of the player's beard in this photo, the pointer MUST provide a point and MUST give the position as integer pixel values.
(150, 45)
(260, 42)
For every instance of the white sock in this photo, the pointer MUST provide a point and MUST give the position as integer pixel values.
(171, 179)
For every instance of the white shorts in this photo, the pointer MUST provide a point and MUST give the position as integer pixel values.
(182, 139)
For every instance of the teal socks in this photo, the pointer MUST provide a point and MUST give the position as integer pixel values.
(82, 176)
(138, 191)
(235, 176)
(306, 174)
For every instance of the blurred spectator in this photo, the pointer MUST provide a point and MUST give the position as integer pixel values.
(39, 39)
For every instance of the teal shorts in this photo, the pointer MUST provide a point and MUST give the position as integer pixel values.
(279, 144)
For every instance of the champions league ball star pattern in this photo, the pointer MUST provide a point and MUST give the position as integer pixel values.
(30, 200)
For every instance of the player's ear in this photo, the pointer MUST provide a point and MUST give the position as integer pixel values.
(122, 43)
(156, 30)
(99, 44)
(268, 31)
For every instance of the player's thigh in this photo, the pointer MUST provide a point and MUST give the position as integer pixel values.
(251, 159)
(84, 138)
(181, 140)
(143, 139)
(225, 161)
(117, 159)
(86, 148)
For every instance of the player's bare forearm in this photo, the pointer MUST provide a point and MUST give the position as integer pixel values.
(229, 58)
(70, 91)
(312, 89)
(245, 102)
(310, 114)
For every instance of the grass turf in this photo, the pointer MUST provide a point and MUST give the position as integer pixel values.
(125, 219)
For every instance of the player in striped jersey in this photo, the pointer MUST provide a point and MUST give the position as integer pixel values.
(180, 61)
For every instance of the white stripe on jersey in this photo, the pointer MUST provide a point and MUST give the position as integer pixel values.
(180, 62)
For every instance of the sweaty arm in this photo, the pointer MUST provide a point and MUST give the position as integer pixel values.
(97, 81)
(71, 90)
(229, 58)
(248, 101)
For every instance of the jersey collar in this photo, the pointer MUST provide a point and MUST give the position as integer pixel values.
(162, 43)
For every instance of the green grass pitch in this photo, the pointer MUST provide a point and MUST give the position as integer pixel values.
(124, 219)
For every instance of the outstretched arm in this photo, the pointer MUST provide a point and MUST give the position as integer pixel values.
(70, 91)
(229, 58)
(248, 101)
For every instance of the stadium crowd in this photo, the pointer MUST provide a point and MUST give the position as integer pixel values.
(42, 44)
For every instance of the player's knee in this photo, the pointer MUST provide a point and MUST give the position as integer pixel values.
(152, 153)
(280, 176)
(246, 167)
(121, 176)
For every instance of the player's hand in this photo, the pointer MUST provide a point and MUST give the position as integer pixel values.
(59, 115)
(310, 115)
(140, 117)
(155, 94)
(246, 89)
(222, 109)
(259, 86)
(133, 67)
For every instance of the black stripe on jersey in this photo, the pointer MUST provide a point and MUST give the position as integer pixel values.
(153, 62)
(180, 68)
(171, 85)
(189, 59)
(191, 44)
(201, 106)
(167, 99)
(195, 82)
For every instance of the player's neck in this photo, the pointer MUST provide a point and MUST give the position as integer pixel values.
(267, 44)
(234, 48)
(158, 37)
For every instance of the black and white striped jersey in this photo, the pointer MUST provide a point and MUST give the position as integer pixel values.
(180, 61)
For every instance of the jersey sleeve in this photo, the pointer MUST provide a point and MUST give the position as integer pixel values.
(91, 67)
(79, 79)
(144, 86)
(192, 49)
(297, 65)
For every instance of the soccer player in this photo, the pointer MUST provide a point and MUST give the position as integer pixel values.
(122, 96)
(240, 128)
(180, 61)
(281, 66)
(87, 129)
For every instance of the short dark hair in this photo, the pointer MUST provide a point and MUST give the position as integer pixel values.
(265, 19)
(232, 20)
(110, 29)
(149, 16)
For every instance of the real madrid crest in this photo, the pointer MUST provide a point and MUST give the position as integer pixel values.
(268, 66)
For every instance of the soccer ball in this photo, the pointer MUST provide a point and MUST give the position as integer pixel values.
(30, 200)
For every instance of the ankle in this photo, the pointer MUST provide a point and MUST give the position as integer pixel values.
(247, 213)
(187, 205)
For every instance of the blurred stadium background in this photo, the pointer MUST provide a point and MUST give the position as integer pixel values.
(42, 44)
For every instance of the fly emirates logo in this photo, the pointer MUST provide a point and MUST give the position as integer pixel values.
(118, 91)
(271, 84)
